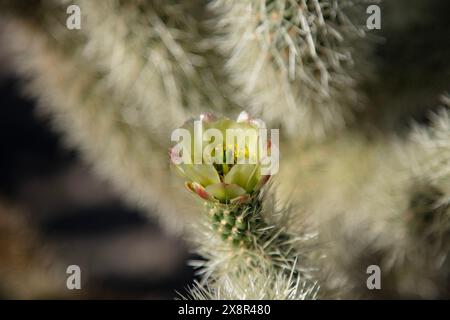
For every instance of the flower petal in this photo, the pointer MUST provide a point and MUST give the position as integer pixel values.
(223, 125)
(207, 117)
(258, 123)
(204, 174)
(174, 156)
(244, 175)
(262, 182)
(243, 117)
(225, 192)
(199, 190)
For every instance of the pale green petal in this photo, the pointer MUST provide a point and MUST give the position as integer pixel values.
(204, 174)
(225, 192)
(223, 125)
(253, 180)
(244, 175)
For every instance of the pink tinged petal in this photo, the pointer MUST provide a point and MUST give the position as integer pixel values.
(244, 175)
(199, 190)
(262, 182)
(189, 123)
(174, 156)
(243, 117)
(268, 146)
(189, 186)
(207, 117)
(225, 192)
(258, 123)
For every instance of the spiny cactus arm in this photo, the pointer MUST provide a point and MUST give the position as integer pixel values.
(430, 150)
(248, 255)
(156, 57)
(427, 218)
(249, 251)
(434, 160)
(86, 112)
(398, 219)
(298, 55)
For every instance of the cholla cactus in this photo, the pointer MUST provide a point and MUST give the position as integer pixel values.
(295, 55)
(255, 254)
(230, 181)
(136, 69)
(230, 174)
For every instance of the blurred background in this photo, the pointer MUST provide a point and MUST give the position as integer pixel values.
(54, 212)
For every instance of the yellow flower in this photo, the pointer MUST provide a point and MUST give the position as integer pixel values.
(221, 162)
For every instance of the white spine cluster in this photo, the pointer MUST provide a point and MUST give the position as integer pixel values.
(276, 265)
(293, 60)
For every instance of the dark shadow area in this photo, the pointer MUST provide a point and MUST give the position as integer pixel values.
(122, 252)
